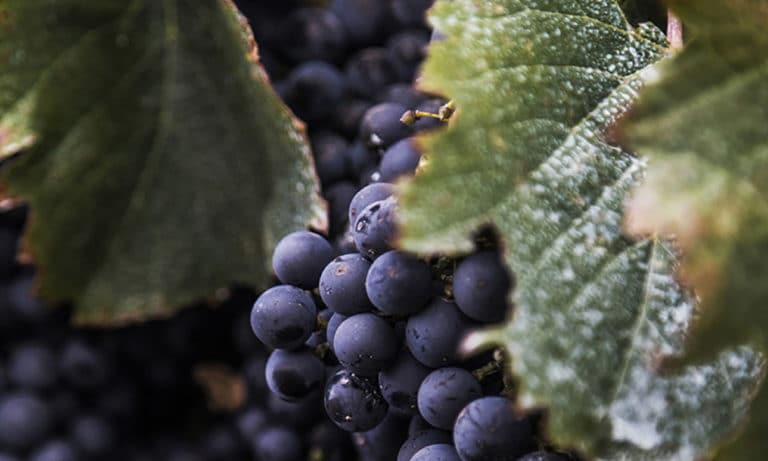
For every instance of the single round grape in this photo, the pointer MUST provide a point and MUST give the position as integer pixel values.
(300, 257)
(24, 421)
(293, 375)
(32, 366)
(252, 422)
(416, 442)
(329, 150)
(342, 284)
(381, 126)
(480, 287)
(312, 33)
(93, 435)
(443, 394)
(313, 89)
(400, 383)
(437, 452)
(408, 49)
(401, 159)
(376, 228)
(370, 71)
(488, 430)
(399, 283)
(283, 317)
(55, 450)
(543, 456)
(365, 344)
(333, 325)
(433, 335)
(83, 366)
(375, 192)
(353, 402)
(279, 444)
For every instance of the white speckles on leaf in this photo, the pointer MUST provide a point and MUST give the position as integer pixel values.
(538, 84)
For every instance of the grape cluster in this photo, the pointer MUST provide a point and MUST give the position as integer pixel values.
(376, 332)
(354, 355)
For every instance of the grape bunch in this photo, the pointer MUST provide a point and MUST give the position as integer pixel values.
(376, 332)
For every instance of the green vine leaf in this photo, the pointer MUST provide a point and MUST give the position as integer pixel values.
(701, 122)
(159, 164)
(538, 85)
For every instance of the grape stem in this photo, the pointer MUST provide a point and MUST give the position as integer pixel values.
(443, 114)
(674, 31)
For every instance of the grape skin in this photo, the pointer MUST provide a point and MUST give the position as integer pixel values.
(293, 375)
(444, 393)
(283, 317)
(480, 287)
(400, 383)
(398, 283)
(488, 430)
(342, 284)
(433, 335)
(300, 258)
(437, 452)
(353, 402)
(365, 344)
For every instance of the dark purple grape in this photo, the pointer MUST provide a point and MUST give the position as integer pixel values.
(376, 228)
(365, 344)
(32, 366)
(293, 375)
(399, 283)
(366, 196)
(346, 120)
(313, 90)
(300, 257)
(283, 317)
(83, 366)
(279, 444)
(433, 335)
(364, 20)
(312, 33)
(370, 71)
(55, 450)
(437, 452)
(252, 422)
(407, 49)
(93, 436)
(400, 383)
(403, 94)
(400, 160)
(480, 287)
(342, 284)
(444, 393)
(488, 430)
(24, 421)
(353, 402)
(381, 126)
(331, 161)
(416, 442)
